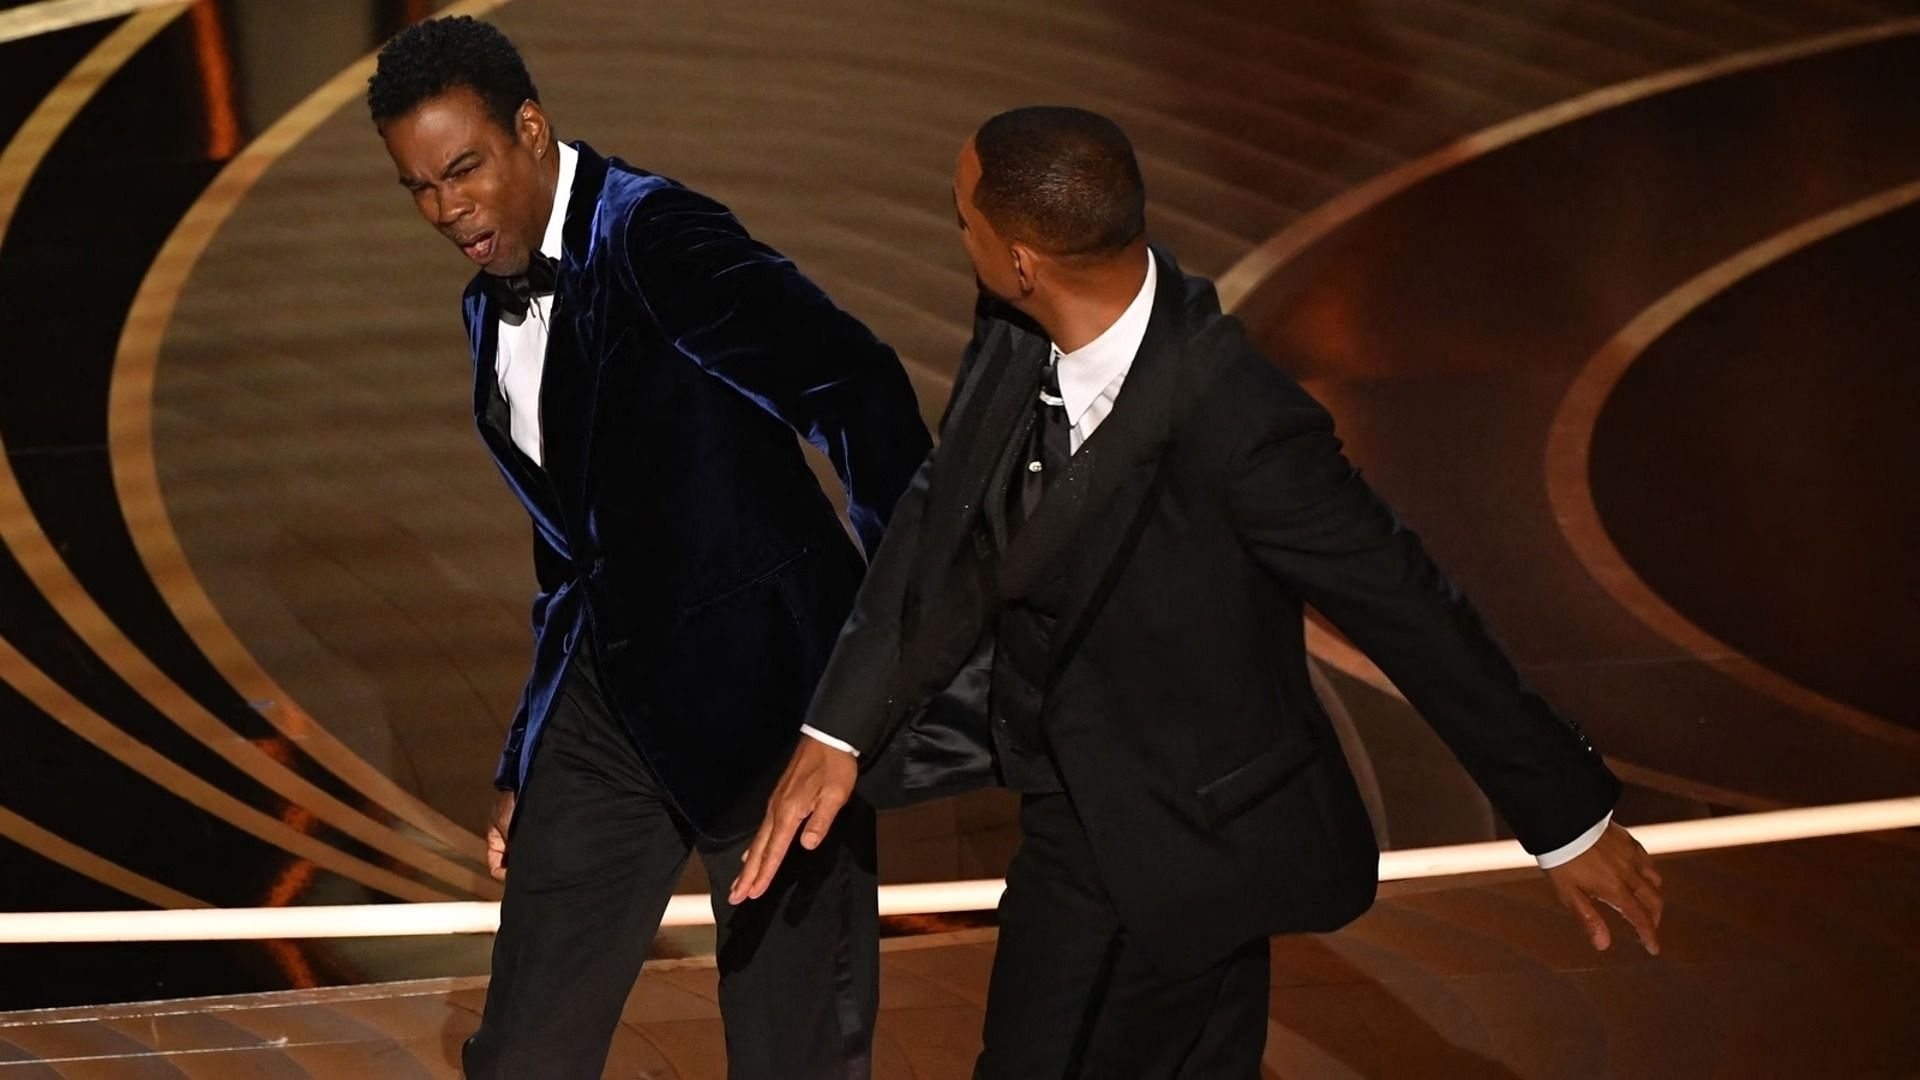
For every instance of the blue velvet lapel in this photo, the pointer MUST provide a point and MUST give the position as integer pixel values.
(568, 379)
(489, 413)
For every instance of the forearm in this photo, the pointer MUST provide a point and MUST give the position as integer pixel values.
(851, 704)
(1310, 520)
(506, 773)
(1536, 766)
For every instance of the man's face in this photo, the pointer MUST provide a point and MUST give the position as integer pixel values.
(478, 183)
(991, 255)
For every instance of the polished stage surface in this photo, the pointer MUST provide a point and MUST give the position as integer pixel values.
(1790, 961)
(1611, 298)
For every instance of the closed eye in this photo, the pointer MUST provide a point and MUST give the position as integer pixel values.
(462, 165)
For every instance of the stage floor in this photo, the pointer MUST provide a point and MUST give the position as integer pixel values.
(1796, 960)
(1569, 276)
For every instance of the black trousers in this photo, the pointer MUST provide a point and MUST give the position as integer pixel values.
(595, 851)
(1072, 996)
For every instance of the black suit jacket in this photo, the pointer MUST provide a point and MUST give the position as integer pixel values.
(1209, 506)
(678, 531)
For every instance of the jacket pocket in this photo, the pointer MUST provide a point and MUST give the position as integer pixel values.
(1224, 798)
(766, 571)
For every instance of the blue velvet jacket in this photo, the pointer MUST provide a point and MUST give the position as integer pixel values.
(678, 533)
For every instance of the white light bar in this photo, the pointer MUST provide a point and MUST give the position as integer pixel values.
(478, 917)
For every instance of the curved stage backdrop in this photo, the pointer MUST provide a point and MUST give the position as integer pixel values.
(1611, 298)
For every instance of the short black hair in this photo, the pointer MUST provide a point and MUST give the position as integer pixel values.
(1061, 178)
(432, 57)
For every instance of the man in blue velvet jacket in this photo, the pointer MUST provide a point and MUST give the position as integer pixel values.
(641, 368)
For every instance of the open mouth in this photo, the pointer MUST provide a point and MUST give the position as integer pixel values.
(480, 248)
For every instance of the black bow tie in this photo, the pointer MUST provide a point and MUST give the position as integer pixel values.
(514, 292)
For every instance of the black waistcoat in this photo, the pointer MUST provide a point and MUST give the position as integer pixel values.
(1023, 644)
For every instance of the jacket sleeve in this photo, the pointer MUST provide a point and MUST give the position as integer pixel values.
(852, 701)
(746, 315)
(551, 570)
(1307, 516)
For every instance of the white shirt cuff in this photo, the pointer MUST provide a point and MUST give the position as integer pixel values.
(837, 744)
(1578, 847)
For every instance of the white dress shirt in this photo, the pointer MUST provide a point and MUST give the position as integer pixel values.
(1091, 375)
(1090, 380)
(520, 353)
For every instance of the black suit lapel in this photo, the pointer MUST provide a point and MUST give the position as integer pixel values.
(965, 473)
(1011, 434)
(1085, 523)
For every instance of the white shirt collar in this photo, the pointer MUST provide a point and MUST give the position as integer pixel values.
(1088, 370)
(562, 191)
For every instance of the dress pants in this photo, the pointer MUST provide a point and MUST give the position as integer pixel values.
(595, 850)
(1071, 994)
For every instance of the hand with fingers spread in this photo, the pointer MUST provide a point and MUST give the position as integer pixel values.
(497, 824)
(1617, 872)
(818, 782)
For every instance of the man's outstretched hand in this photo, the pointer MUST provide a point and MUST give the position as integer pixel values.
(817, 783)
(1617, 872)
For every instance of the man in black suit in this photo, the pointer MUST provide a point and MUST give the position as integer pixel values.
(1094, 592)
(641, 367)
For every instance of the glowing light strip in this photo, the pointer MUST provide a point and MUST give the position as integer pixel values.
(31, 20)
(481, 917)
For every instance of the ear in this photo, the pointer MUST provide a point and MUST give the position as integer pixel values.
(1026, 268)
(533, 130)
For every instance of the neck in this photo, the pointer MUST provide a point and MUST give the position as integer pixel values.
(550, 183)
(1088, 300)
